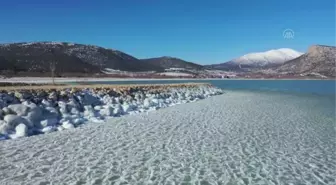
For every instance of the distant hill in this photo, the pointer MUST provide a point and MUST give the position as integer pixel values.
(319, 59)
(258, 60)
(171, 62)
(36, 57)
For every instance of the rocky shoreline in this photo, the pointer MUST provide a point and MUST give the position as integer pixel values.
(32, 110)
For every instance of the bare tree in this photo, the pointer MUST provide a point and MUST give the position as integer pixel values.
(53, 66)
(52, 70)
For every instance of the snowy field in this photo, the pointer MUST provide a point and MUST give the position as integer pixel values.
(234, 138)
(70, 79)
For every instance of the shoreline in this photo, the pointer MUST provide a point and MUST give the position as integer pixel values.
(71, 79)
(33, 110)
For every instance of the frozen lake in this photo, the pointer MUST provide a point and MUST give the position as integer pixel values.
(239, 137)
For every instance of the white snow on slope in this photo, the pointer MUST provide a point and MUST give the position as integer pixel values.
(278, 56)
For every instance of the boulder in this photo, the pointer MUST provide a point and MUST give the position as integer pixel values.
(49, 122)
(78, 121)
(98, 107)
(22, 95)
(147, 103)
(14, 120)
(48, 129)
(29, 104)
(75, 111)
(106, 111)
(67, 125)
(126, 107)
(35, 114)
(88, 99)
(4, 127)
(19, 109)
(117, 110)
(21, 130)
(7, 110)
(46, 103)
(88, 111)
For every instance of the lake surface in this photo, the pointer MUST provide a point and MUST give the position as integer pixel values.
(320, 87)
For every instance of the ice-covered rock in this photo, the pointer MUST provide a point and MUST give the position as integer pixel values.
(14, 120)
(98, 107)
(147, 103)
(49, 129)
(46, 103)
(49, 122)
(118, 110)
(7, 110)
(126, 107)
(67, 125)
(74, 110)
(89, 99)
(78, 121)
(4, 127)
(22, 95)
(107, 111)
(89, 111)
(19, 109)
(62, 107)
(21, 130)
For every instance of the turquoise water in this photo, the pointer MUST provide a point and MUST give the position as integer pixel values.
(320, 87)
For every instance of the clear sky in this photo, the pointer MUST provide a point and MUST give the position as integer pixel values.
(203, 31)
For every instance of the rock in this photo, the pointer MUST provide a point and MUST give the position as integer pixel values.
(126, 107)
(98, 107)
(63, 108)
(67, 125)
(155, 101)
(88, 99)
(60, 128)
(107, 111)
(146, 103)
(22, 95)
(117, 110)
(46, 103)
(4, 128)
(53, 96)
(7, 110)
(14, 120)
(48, 129)
(88, 111)
(19, 109)
(49, 122)
(74, 110)
(78, 121)
(35, 114)
(31, 105)
(21, 130)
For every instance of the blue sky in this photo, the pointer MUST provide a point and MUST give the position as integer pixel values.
(211, 31)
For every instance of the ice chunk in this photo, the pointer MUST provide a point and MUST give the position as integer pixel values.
(21, 130)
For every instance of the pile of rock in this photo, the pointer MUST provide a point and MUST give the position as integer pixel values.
(28, 112)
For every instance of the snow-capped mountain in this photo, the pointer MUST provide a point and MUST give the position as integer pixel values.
(278, 56)
(260, 59)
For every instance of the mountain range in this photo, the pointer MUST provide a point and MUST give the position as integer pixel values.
(35, 59)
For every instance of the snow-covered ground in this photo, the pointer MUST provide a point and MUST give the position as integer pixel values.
(25, 113)
(176, 74)
(70, 79)
(237, 138)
